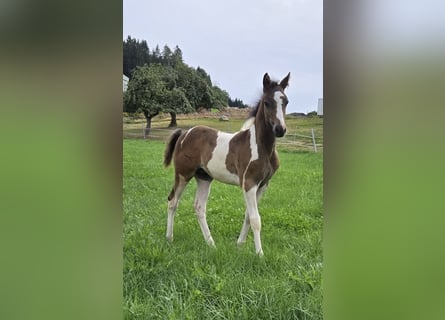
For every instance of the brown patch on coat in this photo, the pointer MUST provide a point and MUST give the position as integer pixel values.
(261, 171)
(194, 150)
(239, 154)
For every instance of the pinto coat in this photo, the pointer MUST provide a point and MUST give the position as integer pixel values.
(246, 158)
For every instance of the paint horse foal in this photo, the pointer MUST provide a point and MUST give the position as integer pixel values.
(246, 158)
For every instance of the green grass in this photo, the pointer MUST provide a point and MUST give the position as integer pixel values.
(187, 279)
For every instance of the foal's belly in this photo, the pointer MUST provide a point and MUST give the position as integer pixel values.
(223, 175)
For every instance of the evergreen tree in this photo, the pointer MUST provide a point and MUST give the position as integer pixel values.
(156, 55)
(167, 55)
(237, 103)
(177, 56)
(135, 53)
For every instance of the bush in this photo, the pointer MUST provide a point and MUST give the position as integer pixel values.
(312, 114)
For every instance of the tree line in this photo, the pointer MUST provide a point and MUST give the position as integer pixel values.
(160, 81)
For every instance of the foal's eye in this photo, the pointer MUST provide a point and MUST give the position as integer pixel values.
(267, 104)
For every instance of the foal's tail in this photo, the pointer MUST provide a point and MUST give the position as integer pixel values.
(168, 154)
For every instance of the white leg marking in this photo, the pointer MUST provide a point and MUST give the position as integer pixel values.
(172, 205)
(202, 194)
(246, 225)
(254, 217)
(277, 96)
(244, 230)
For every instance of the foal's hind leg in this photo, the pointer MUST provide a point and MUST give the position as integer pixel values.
(173, 199)
(202, 194)
(246, 225)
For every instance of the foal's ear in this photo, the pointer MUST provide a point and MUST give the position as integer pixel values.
(285, 82)
(266, 81)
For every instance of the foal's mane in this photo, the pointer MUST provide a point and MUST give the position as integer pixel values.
(254, 111)
(252, 114)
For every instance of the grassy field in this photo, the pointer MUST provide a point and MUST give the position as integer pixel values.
(189, 280)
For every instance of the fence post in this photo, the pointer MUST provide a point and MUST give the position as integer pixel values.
(313, 140)
(146, 131)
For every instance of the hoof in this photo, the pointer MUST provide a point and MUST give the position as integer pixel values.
(240, 243)
(260, 253)
(211, 243)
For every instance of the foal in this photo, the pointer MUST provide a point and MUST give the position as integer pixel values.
(246, 158)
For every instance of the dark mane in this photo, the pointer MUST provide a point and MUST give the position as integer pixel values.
(254, 111)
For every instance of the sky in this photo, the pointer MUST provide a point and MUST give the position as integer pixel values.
(237, 42)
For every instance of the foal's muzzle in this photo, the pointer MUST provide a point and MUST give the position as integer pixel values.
(279, 131)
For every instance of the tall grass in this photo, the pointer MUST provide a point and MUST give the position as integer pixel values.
(187, 279)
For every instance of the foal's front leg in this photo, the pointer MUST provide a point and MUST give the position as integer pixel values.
(246, 225)
(254, 217)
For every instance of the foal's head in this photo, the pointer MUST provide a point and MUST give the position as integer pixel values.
(274, 103)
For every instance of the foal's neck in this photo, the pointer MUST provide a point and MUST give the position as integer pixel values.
(265, 136)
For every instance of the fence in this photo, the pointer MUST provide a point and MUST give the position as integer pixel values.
(293, 140)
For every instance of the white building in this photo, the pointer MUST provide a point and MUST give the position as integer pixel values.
(125, 82)
(320, 107)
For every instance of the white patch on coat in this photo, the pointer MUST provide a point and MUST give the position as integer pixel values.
(253, 144)
(217, 164)
(186, 134)
(280, 116)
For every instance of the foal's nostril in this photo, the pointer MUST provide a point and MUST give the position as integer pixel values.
(279, 131)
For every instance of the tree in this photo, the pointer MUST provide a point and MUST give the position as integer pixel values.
(220, 97)
(237, 103)
(215, 96)
(135, 53)
(203, 74)
(156, 56)
(177, 102)
(196, 87)
(177, 56)
(165, 83)
(152, 89)
(167, 55)
(145, 92)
